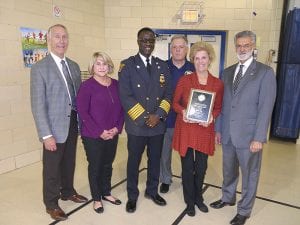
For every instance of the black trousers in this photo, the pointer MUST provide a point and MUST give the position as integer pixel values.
(136, 146)
(59, 167)
(100, 155)
(194, 166)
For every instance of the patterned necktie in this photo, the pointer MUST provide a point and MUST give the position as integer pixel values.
(148, 66)
(69, 82)
(238, 78)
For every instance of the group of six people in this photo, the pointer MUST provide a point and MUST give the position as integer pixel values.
(151, 96)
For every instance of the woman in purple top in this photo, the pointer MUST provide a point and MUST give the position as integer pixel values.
(102, 119)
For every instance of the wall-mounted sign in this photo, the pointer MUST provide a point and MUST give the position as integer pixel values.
(56, 11)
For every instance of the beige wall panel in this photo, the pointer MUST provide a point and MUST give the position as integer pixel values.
(130, 2)
(7, 165)
(7, 4)
(117, 11)
(73, 15)
(148, 3)
(152, 22)
(213, 24)
(13, 149)
(5, 109)
(129, 44)
(6, 137)
(220, 13)
(112, 22)
(243, 14)
(113, 43)
(120, 33)
(13, 92)
(215, 4)
(20, 106)
(28, 158)
(236, 4)
(141, 12)
(33, 6)
(130, 22)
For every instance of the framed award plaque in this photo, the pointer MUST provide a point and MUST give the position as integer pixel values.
(200, 105)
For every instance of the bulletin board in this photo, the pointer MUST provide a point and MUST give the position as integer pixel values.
(216, 38)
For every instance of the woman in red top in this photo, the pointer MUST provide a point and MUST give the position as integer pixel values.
(195, 141)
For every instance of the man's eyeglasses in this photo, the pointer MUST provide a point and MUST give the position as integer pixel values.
(145, 41)
(246, 46)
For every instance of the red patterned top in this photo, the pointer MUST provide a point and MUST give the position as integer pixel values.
(192, 134)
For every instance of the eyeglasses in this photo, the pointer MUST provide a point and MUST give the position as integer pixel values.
(145, 41)
(246, 46)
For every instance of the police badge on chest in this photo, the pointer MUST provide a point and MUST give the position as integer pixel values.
(162, 80)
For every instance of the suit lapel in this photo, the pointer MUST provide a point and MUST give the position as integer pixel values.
(230, 75)
(53, 67)
(249, 75)
(73, 74)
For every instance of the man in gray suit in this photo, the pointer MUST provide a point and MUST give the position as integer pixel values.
(249, 95)
(54, 82)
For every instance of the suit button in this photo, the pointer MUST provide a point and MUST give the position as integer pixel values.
(69, 104)
(147, 98)
(69, 116)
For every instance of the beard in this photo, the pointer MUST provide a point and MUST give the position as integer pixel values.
(244, 56)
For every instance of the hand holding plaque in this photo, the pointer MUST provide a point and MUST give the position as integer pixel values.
(200, 106)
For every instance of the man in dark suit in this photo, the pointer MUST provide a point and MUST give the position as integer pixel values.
(145, 93)
(249, 95)
(54, 82)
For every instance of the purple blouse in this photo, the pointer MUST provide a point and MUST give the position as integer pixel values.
(99, 108)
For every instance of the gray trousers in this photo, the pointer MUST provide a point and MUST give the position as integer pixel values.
(166, 158)
(249, 163)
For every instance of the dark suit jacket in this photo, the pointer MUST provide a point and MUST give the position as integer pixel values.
(245, 115)
(143, 94)
(50, 102)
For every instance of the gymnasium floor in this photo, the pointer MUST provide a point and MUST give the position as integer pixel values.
(277, 203)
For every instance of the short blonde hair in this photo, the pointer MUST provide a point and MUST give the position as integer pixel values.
(202, 46)
(106, 59)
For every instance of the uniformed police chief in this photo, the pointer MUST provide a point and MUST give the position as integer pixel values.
(145, 94)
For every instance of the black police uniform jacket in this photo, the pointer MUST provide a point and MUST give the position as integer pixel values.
(142, 94)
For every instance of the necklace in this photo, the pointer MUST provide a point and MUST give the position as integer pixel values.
(111, 97)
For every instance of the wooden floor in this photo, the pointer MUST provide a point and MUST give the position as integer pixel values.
(277, 203)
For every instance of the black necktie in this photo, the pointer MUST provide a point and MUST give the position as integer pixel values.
(238, 78)
(148, 66)
(69, 82)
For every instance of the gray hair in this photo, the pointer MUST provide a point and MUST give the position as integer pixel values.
(179, 36)
(246, 33)
(56, 25)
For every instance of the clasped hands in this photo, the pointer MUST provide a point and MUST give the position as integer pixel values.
(109, 134)
(152, 120)
(185, 119)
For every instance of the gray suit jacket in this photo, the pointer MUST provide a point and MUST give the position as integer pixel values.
(50, 102)
(246, 114)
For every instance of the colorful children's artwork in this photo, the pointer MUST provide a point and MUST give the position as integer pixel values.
(34, 45)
